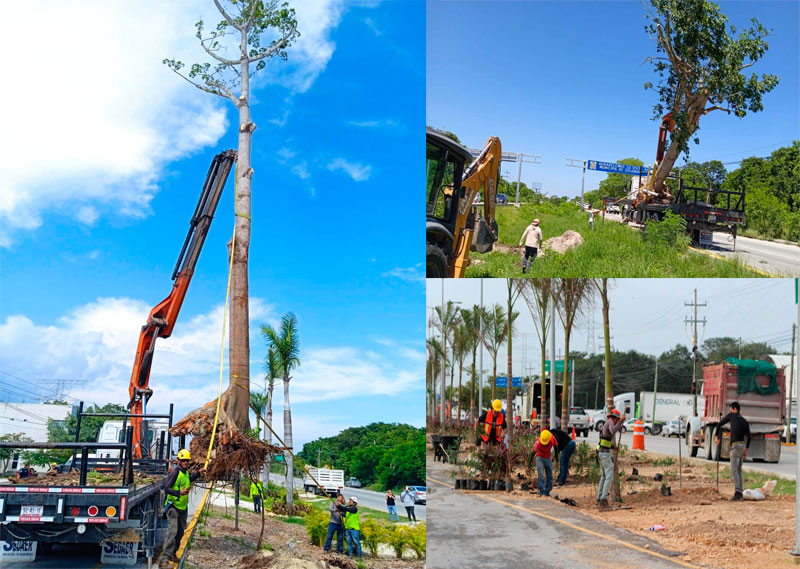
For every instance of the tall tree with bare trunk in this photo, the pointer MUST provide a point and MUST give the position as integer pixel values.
(434, 366)
(700, 69)
(571, 296)
(287, 351)
(272, 373)
(513, 295)
(538, 297)
(446, 316)
(493, 334)
(472, 319)
(251, 33)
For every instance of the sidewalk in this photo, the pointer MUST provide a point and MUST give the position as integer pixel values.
(470, 529)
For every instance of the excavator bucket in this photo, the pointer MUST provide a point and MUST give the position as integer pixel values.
(484, 236)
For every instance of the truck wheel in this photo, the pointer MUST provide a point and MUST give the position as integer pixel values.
(599, 426)
(435, 262)
(647, 430)
(656, 430)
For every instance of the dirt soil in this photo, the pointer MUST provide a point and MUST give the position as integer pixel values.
(562, 243)
(713, 531)
(291, 548)
(51, 478)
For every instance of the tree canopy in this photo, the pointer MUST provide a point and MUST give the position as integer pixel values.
(388, 455)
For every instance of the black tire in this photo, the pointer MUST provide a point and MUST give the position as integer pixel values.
(657, 429)
(598, 426)
(435, 262)
(647, 430)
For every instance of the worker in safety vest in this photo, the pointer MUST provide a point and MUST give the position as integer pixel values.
(256, 493)
(352, 528)
(177, 485)
(493, 424)
(610, 428)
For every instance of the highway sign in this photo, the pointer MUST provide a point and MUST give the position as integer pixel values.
(559, 365)
(618, 168)
(503, 382)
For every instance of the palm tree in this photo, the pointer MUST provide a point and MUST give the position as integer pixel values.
(536, 293)
(433, 368)
(493, 334)
(472, 319)
(258, 403)
(461, 346)
(570, 295)
(273, 373)
(446, 315)
(287, 347)
(513, 295)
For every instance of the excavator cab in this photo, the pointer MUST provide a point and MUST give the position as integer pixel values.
(453, 181)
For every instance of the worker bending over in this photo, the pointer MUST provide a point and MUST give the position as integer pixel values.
(493, 424)
(565, 446)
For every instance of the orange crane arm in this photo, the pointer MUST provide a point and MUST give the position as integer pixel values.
(667, 125)
(162, 317)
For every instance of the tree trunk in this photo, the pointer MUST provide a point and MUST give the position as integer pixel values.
(444, 379)
(494, 377)
(472, 389)
(544, 385)
(565, 390)
(458, 407)
(509, 407)
(607, 347)
(268, 466)
(239, 389)
(287, 438)
(452, 373)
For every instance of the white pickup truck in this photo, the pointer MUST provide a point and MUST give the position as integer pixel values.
(579, 419)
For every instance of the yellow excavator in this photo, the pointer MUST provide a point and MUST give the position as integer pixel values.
(453, 227)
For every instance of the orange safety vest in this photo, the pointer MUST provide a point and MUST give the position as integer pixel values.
(493, 420)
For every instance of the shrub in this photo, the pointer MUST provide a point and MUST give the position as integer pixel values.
(417, 539)
(671, 231)
(398, 537)
(317, 526)
(372, 533)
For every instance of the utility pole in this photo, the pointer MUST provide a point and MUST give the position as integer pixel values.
(694, 349)
(575, 163)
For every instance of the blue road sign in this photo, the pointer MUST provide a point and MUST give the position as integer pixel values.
(503, 381)
(618, 168)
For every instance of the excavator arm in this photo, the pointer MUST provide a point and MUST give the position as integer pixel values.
(162, 317)
(483, 174)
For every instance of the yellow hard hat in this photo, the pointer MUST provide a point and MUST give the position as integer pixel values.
(545, 437)
(497, 405)
(184, 454)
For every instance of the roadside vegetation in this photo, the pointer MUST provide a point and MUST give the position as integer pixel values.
(611, 249)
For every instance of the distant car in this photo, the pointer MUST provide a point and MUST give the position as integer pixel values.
(628, 426)
(502, 198)
(612, 208)
(674, 428)
(420, 494)
(353, 482)
(793, 434)
(579, 419)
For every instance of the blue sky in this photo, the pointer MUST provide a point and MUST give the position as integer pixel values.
(564, 80)
(102, 178)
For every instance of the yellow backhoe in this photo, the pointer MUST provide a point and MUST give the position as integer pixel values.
(453, 227)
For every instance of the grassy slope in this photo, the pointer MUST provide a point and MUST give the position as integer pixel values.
(611, 250)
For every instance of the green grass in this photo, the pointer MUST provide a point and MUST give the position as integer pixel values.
(363, 513)
(752, 479)
(610, 250)
(292, 520)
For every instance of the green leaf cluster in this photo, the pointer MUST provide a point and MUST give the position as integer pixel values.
(387, 455)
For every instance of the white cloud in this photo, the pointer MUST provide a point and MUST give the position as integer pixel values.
(286, 154)
(408, 274)
(107, 116)
(378, 124)
(186, 365)
(301, 170)
(358, 172)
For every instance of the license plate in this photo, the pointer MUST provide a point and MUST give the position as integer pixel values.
(712, 218)
(32, 510)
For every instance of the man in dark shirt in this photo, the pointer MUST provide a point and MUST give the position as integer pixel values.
(564, 450)
(740, 429)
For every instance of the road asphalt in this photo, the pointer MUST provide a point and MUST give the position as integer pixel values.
(492, 529)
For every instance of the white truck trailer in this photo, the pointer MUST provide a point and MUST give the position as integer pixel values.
(669, 406)
(332, 481)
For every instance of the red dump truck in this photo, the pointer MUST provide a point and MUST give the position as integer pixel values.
(760, 389)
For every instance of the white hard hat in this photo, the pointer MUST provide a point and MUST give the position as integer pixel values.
(354, 499)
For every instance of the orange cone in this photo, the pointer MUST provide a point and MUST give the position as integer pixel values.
(573, 432)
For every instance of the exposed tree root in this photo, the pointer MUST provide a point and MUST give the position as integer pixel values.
(234, 451)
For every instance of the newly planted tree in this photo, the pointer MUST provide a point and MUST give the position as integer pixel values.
(272, 373)
(446, 315)
(493, 334)
(513, 295)
(287, 349)
(571, 296)
(701, 68)
(472, 321)
(538, 297)
(251, 33)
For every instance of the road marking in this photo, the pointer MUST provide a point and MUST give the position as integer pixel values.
(573, 526)
(723, 258)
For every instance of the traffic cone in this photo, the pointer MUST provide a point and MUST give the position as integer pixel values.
(573, 432)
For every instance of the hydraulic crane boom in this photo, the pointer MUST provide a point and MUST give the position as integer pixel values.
(162, 318)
